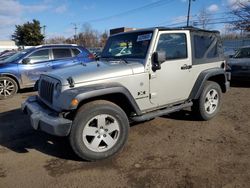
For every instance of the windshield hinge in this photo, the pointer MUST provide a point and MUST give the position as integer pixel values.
(152, 76)
(71, 82)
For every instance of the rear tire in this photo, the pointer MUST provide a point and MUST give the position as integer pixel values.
(100, 129)
(209, 102)
(8, 87)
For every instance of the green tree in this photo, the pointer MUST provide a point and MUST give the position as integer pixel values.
(28, 34)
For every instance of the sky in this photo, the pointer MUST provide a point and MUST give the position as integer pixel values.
(60, 16)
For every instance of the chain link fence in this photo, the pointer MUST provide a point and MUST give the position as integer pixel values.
(231, 45)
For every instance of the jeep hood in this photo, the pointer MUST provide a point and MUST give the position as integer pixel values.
(96, 71)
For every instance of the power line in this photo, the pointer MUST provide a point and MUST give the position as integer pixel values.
(216, 21)
(191, 16)
(196, 15)
(147, 6)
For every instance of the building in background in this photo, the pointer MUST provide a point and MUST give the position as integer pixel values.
(7, 45)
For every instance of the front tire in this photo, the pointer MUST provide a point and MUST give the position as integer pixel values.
(209, 102)
(100, 130)
(8, 87)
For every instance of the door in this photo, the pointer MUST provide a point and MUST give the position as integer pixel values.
(174, 81)
(62, 58)
(38, 63)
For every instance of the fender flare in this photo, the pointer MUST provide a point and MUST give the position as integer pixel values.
(85, 93)
(202, 78)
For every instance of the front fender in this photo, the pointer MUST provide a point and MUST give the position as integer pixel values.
(88, 92)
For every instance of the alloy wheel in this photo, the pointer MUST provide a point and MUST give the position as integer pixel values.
(101, 133)
(6, 88)
(211, 101)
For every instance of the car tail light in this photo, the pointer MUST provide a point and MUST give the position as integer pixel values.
(91, 56)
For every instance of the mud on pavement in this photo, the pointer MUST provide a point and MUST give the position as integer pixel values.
(170, 151)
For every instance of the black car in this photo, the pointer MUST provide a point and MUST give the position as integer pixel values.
(239, 64)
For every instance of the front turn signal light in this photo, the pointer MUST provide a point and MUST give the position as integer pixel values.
(74, 102)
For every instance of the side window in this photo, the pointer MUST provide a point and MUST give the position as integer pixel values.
(75, 51)
(206, 46)
(61, 53)
(174, 45)
(38, 56)
(243, 53)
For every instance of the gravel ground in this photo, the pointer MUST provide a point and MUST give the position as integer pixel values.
(170, 151)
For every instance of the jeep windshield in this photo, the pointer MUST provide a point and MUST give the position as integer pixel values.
(127, 45)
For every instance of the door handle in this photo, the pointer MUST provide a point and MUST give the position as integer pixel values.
(48, 64)
(185, 67)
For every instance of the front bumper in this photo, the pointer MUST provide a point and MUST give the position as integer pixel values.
(43, 118)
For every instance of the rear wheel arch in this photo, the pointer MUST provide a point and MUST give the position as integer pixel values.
(220, 79)
(216, 75)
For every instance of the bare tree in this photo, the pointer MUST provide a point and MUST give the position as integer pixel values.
(88, 37)
(204, 18)
(241, 12)
(103, 38)
(228, 32)
(56, 40)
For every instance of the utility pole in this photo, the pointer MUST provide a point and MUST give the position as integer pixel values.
(75, 28)
(44, 27)
(189, 7)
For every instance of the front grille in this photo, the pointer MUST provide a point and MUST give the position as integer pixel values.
(46, 90)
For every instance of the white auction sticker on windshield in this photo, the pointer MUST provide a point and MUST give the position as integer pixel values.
(144, 37)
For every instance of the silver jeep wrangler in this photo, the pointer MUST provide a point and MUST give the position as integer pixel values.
(141, 74)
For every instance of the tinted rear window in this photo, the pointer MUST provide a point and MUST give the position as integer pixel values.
(75, 51)
(61, 53)
(205, 46)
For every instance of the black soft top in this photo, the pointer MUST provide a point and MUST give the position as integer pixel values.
(152, 29)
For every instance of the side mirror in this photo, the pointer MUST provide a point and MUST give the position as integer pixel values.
(26, 61)
(157, 59)
(161, 56)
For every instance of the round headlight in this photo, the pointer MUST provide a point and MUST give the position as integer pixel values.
(57, 90)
